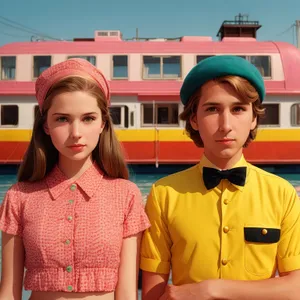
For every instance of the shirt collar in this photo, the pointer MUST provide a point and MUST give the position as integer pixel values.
(204, 162)
(89, 181)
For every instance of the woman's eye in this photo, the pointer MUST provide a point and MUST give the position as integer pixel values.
(61, 119)
(89, 119)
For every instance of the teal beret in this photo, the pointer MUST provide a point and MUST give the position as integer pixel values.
(218, 66)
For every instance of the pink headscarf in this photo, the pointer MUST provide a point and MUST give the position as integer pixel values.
(74, 66)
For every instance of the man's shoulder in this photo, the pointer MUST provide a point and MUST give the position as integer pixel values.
(268, 178)
(182, 178)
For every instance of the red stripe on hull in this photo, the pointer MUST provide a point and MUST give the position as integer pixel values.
(12, 152)
(177, 152)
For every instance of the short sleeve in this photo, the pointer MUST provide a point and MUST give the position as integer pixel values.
(156, 242)
(136, 219)
(10, 213)
(289, 246)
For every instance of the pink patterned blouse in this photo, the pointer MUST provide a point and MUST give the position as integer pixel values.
(73, 231)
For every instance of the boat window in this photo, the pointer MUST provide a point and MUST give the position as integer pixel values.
(202, 57)
(91, 59)
(40, 64)
(162, 114)
(119, 115)
(8, 68)
(161, 67)
(263, 64)
(152, 67)
(9, 115)
(171, 67)
(295, 114)
(147, 114)
(271, 117)
(120, 66)
(115, 113)
(132, 118)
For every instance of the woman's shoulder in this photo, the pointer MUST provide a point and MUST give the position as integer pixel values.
(124, 184)
(25, 187)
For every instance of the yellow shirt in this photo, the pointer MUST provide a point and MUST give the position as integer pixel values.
(229, 232)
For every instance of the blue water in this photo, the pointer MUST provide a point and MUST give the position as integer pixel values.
(144, 176)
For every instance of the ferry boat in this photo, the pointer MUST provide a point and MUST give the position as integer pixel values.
(145, 76)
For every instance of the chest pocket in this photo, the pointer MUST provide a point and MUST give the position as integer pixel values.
(261, 250)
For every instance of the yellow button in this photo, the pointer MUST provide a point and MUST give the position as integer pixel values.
(71, 201)
(70, 288)
(69, 269)
(226, 229)
(226, 201)
(73, 187)
(264, 231)
(70, 218)
(67, 242)
(224, 262)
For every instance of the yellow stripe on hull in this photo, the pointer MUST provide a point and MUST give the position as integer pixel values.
(163, 135)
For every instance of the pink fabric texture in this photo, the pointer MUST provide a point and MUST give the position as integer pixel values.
(74, 66)
(73, 231)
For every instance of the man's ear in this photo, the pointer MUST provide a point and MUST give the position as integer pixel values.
(254, 123)
(193, 121)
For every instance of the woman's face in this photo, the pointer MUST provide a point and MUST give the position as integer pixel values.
(74, 123)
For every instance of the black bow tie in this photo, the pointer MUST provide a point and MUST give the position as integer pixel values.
(212, 177)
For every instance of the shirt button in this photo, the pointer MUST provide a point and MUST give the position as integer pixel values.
(73, 187)
(71, 201)
(70, 218)
(70, 288)
(69, 269)
(67, 242)
(226, 201)
(225, 229)
(224, 262)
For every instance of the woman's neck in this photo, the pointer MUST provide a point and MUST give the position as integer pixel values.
(73, 169)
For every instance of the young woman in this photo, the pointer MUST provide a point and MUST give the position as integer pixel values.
(73, 219)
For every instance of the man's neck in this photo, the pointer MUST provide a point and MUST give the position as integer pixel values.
(224, 163)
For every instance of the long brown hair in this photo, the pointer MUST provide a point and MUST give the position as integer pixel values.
(41, 155)
(244, 90)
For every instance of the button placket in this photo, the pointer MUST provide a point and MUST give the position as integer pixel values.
(69, 235)
(225, 227)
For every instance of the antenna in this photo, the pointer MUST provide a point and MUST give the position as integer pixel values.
(137, 34)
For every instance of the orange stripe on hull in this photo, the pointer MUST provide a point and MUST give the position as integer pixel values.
(177, 152)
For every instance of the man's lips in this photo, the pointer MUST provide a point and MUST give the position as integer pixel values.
(225, 140)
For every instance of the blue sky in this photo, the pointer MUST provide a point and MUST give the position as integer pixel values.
(66, 19)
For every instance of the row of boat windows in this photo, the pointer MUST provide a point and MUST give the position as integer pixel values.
(161, 114)
(154, 67)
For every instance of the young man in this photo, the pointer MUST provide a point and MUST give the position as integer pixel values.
(224, 227)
